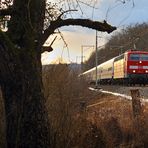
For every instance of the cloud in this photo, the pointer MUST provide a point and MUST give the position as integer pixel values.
(75, 40)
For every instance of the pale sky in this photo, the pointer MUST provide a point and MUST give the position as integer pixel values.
(115, 12)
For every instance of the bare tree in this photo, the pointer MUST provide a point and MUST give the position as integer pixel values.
(20, 68)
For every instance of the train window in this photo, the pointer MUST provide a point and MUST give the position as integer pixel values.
(144, 57)
(138, 57)
(134, 57)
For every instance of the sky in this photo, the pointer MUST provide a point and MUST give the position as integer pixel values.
(76, 39)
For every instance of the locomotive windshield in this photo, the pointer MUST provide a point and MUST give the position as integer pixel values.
(138, 57)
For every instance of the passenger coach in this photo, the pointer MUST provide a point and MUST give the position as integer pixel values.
(130, 67)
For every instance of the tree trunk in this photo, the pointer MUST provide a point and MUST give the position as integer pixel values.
(26, 115)
(21, 77)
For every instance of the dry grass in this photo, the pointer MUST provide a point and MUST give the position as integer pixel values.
(114, 117)
(108, 124)
(65, 92)
(109, 116)
(75, 125)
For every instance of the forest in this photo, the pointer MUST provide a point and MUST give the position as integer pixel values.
(132, 37)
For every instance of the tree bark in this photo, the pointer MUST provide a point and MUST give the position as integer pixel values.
(26, 115)
(21, 77)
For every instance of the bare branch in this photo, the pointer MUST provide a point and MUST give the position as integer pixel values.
(59, 17)
(100, 26)
(48, 48)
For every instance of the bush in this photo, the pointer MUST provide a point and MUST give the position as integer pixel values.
(65, 91)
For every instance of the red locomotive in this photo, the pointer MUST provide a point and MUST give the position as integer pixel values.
(130, 67)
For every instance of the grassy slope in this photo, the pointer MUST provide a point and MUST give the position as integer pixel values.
(73, 124)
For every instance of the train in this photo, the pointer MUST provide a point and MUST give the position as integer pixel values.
(129, 68)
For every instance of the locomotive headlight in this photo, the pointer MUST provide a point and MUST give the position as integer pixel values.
(146, 71)
(134, 71)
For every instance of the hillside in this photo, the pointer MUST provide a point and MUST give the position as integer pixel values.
(130, 38)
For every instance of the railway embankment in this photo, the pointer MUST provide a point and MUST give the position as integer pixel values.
(122, 121)
(125, 90)
(80, 117)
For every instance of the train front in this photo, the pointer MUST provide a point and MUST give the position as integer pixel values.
(137, 67)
